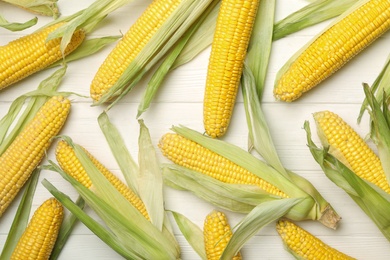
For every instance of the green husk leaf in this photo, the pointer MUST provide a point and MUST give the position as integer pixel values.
(134, 234)
(285, 67)
(192, 233)
(128, 166)
(17, 26)
(87, 48)
(311, 14)
(260, 45)
(161, 42)
(99, 230)
(260, 216)
(380, 86)
(380, 130)
(36, 100)
(168, 63)
(259, 132)
(371, 199)
(41, 7)
(65, 230)
(150, 178)
(21, 218)
(232, 197)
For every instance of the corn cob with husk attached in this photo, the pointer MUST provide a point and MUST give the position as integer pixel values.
(38, 240)
(187, 153)
(29, 54)
(217, 233)
(29, 147)
(304, 245)
(228, 50)
(350, 148)
(47, 8)
(130, 45)
(332, 49)
(208, 167)
(69, 162)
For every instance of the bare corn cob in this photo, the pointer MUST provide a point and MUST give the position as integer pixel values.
(39, 238)
(304, 245)
(68, 161)
(217, 233)
(228, 50)
(333, 49)
(27, 150)
(32, 53)
(336, 133)
(189, 154)
(130, 45)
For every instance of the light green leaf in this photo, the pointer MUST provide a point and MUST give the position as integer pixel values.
(260, 216)
(22, 215)
(313, 13)
(122, 155)
(150, 178)
(41, 7)
(192, 233)
(17, 26)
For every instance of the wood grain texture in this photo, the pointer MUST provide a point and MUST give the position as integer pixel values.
(180, 102)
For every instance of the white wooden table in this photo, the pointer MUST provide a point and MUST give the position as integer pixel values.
(180, 102)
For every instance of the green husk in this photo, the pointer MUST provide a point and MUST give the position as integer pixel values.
(41, 7)
(21, 218)
(161, 42)
(36, 99)
(192, 233)
(260, 216)
(313, 13)
(171, 60)
(370, 198)
(12, 26)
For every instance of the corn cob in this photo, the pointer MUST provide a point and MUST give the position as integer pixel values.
(356, 154)
(189, 154)
(39, 238)
(333, 49)
(68, 161)
(130, 45)
(217, 233)
(304, 245)
(228, 50)
(29, 54)
(29, 147)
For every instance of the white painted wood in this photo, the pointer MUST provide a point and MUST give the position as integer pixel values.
(180, 102)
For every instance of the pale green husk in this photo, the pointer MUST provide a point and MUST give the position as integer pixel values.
(41, 7)
(371, 199)
(12, 26)
(128, 232)
(313, 13)
(22, 216)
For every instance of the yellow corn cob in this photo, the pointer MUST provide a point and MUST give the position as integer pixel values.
(130, 45)
(228, 50)
(217, 233)
(304, 245)
(39, 238)
(333, 49)
(357, 155)
(29, 147)
(70, 164)
(189, 154)
(29, 54)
